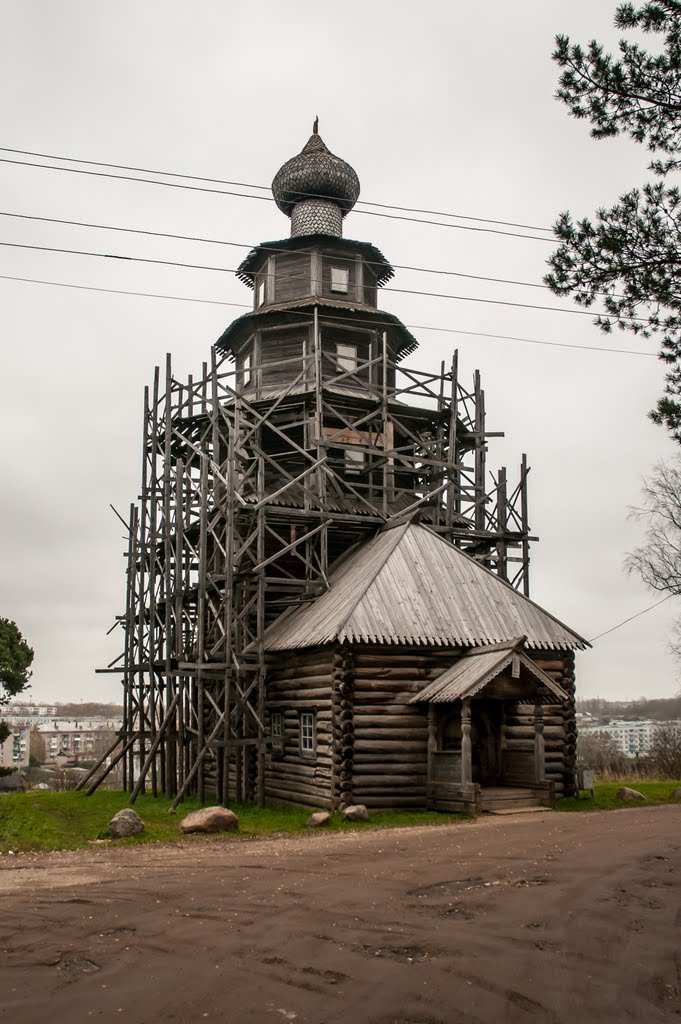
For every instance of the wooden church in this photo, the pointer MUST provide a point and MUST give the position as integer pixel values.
(327, 587)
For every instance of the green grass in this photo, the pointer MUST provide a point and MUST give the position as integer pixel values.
(605, 799)
(71, 821)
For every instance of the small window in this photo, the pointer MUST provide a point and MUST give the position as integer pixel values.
(354, 461)
(346, 357)
(339, 279)
(246, 370)
(277, 731)
(308, 740)
(260, 292)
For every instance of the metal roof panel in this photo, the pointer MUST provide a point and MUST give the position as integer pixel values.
(408, 585)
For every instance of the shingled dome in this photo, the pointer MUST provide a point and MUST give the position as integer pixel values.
(315, 173)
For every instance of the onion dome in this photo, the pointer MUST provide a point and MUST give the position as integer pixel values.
(316, 189)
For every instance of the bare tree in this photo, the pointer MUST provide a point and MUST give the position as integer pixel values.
(665, 751)
(658, 559)
(600, 751)
(37, 746)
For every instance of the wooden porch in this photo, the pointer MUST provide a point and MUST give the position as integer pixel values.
(477, 799)
(471, 765)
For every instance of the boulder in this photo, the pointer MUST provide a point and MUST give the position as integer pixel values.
(676, 795)
(125, 823)
(210, 819)
(625, 793)
(319, 818)
(355, 812)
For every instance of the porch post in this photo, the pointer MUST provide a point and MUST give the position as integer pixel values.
(432, 747)
(539, 747)
(466, 751)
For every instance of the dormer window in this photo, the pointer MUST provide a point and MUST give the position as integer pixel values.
(346, 357)
(339, 279)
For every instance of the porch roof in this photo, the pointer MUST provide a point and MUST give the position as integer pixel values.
(477, 668)
(410, 586)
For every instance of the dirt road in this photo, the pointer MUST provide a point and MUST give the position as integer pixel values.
(548, 917)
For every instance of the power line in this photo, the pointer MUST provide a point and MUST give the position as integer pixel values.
(329, 316)
(632, 617)
(265, 188)
(255, 245)
(230, 270)
(268, 199)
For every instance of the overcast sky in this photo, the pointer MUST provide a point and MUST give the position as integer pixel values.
(442, 105)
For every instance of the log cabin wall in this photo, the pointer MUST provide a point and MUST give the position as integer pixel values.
(299, 684)
(390, 762)
(371, 744)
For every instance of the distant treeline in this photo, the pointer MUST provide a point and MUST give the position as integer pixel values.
(89, 709)
(660, 709)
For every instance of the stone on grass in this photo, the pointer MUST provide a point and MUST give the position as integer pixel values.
(319, 818)
(125, 823)
(210, 819)
(355, 812)
(676, 795)
(625, 793)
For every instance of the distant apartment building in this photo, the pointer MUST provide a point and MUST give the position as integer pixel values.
(15, 751)
(6, 753)
(78, 739)
(39, 729)
(30, 714)
(633, 738)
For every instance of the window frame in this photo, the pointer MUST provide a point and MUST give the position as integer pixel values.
(277, 731)
(308, 729)
(247, 369)
(351, 355)
(341, 287)
(354, 461)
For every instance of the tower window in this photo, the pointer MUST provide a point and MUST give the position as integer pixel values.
(346, 357)
(246, 373)
(354, 461)
(339, 279)
(260, 292)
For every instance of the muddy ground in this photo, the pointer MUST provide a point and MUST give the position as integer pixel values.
(546, 917)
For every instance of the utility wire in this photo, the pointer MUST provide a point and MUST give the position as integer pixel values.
(255, 245)
(632, 617)
(329, 316)
(268, 199)
(265, 188)
(230, 270)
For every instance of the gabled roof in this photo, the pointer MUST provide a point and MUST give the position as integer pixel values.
(477, 668)
(409, 586)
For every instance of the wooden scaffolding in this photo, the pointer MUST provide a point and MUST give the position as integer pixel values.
(249, 493)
